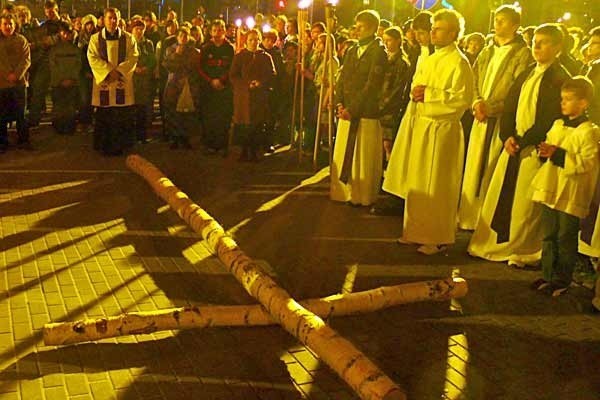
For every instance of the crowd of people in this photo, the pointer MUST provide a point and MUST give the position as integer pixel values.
(495, 133)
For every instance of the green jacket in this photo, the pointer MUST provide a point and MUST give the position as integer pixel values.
(65, 63)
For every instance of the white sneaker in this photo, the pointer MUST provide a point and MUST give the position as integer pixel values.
(430, 249)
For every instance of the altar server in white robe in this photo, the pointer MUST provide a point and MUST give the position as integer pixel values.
(113, 55)
(509, 227)
(496, 68)
(442, 92)
(357, 156)
(397, 170)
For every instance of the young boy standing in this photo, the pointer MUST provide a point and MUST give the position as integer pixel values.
(565, 184)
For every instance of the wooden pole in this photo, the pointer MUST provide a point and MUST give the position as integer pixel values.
(320, 107)
(244, 316)
(339, 354)
(302, 17)
(330, 19)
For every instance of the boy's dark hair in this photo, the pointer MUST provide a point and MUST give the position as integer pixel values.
(369, 17)
(582, 87)
(511, 12)
(50, 4)
(552, 30)
(423, 21)
(394, 32)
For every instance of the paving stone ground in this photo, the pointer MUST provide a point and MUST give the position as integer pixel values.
(82, 237)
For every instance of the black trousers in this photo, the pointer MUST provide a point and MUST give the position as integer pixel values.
(113, 129)
(12, 107)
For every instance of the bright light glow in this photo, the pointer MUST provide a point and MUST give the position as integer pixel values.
(333, 2)
(566, 16)
(304, 4)
(517, 5)
(238, 22)
(266, 28)
(250, 23)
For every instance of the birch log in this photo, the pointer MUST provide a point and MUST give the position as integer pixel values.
(253, 315)
(339, 354)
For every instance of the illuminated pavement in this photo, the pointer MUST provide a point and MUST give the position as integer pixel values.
(81, 236)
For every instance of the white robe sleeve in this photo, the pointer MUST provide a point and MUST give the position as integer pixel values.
(452, 96)
(100, 68)
(585, 158)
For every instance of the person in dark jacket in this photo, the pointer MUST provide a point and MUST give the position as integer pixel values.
(397, 76)
(275, 94)
(217, 107)
(252, 73)
(509, 228)
(181, 60)
(86, 77)
(15, 60)
(143, 80)
(161, 73)
(357, 179)
(65, 66)
(44, 38)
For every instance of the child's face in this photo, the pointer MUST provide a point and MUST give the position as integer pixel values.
(571, 105)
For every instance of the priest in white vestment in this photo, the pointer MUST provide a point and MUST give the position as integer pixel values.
(509, 225)
(496, 69)
(113, 55)
(357, 156)
(442, 92)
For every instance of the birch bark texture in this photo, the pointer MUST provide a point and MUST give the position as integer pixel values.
(248, 315)
(360, 373)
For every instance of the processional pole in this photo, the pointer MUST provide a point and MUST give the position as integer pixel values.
(302, 19)
(327, 92)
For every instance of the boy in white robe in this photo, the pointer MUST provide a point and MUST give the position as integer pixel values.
(509, 225)
(113, 56)
(565, 184)
(495, 70)
(441, 92)
(357, 156)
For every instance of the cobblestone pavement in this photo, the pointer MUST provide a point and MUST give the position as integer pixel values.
(81, 236)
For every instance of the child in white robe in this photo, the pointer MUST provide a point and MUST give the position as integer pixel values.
(564, 185)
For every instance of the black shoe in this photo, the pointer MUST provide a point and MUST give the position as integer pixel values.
(554, 289)
(539, 284)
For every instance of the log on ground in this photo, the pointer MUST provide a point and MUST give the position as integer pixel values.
(365, 378)
(252, 315)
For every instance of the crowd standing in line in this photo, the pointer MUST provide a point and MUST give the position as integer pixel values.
(495, 133)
